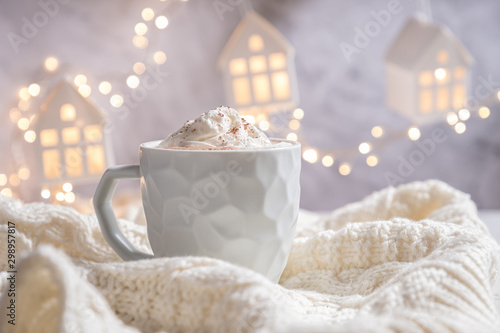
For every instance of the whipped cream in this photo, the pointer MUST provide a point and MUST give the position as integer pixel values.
(221, 127)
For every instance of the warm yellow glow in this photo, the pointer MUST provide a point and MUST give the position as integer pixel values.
(85, 90)
(460, 128)
(277, 61)
(60, 196)
(364, 148)
(443, 99)
(24, 94)
(80, 79)
(93, 133)
(264, 125)
(372, 160)
(116, 101)
(250, 119)
(69, 197)
(141, 29)
(67, 187)
(49, 137)
(292, 137)
(68, 112)
(71, 135)
(255, 43)
(51, 64)
(3, 179)
(298, 114)
(443, 57)
(425, 78)
(96, 162)
(14, 115)
(498, 95)
(261, 88)
(45, 194)
(377, 131)
(484, 112)
(24, 173)
(451, 118)
(34, 89)
(464, 114)
(440, 74)
(414, 133)
(459, 97)
(258, 64)
(161, 22)
(140, 41)
(345, 169)
(7, 192)
(73, 160)
(241, 90)
(133, 81)
(30, 136)
(294, 124)
(14, 180)
(147, 14)
(310, 155)
(139, 68)
(23, 105)
(105, 87)
(238, 66)
(159, 57)
(23, 124)
(327, 160)
(459, 73)
(260, 117)
(51, 164)
(281, 85)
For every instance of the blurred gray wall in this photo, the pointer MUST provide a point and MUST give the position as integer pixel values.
(342, 100)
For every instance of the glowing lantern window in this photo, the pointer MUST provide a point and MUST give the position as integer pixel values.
(49, 138)
(443, 57)
(261, 88)
(238, 66)
(71, 135)
(281, 85)
(258, 64)
(73, 159)
(93, 133)
(255, 43)
(277, 61)
(51, 164)
(425, 79)
(95, 160)
(68, 112)
(425, 101)
(241, 87)
(459, 73)
(443, 99)
(459, 96)
(441, 75)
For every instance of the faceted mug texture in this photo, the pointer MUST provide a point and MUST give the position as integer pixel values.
(236, 205)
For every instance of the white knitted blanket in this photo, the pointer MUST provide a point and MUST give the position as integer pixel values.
(410, 259)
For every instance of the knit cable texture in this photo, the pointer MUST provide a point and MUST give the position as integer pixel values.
(410, 259)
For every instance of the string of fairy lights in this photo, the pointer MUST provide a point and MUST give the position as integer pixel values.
(21, 116)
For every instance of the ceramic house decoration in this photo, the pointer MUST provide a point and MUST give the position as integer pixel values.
(258, 68)
(71, 144)
(428, 71)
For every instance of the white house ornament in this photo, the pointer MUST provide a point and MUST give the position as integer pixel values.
(258, 68)
(428, 72)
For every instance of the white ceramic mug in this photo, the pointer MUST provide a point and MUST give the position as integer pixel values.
(237, 205)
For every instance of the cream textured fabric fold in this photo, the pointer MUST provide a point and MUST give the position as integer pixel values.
(410, 259)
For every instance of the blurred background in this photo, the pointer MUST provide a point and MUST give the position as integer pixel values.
(342, 97)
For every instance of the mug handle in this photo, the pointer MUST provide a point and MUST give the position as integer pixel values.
(106, 216)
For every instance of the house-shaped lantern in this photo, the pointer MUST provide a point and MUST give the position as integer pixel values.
(428, 71)
(258, 67)
(71, 143)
